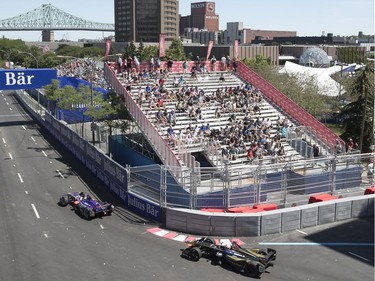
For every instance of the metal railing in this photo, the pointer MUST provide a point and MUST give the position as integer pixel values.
(159, 144)
(284, 184)
(289, 106)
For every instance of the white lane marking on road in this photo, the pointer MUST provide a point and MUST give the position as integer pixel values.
(19, 175)
(358, 256)
(10, 109)
(35, 211)
(316, 244)
(45, 235)
(70, 187)
(32, 138)
(102, 227)
(26, 192)
(24, 127)
(7, 103)
(61, 175)
(4, 141)
(45, 154)
(10, 156)
(300, 231)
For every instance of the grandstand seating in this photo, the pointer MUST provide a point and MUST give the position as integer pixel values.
(209, 83)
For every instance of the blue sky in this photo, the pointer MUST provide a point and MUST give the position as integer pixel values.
(307, 18)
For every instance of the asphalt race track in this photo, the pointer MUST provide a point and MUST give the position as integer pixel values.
(42, 241)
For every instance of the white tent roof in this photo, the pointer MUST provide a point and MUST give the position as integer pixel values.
(326, 84)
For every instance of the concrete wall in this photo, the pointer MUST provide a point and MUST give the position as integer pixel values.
(269, 222)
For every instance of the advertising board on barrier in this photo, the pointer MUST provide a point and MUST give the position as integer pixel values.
(17, 79)
(113, 175)
(143, 207)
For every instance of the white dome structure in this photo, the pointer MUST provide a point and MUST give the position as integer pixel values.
(314, 57)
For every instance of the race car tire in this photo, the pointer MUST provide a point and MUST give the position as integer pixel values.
(251, 270)
(63, 201)
(263, 252)
(87, 214)
(195, 254)
(209, 251)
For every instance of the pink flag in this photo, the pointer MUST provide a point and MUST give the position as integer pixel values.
(107, 47)
(209, 48)
(161, 46)
(236, 49)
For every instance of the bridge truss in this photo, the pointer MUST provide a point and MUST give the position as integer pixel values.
(48, 17)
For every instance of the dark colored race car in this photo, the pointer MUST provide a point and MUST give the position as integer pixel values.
(251, 262)
(72, 198)
(86, 206)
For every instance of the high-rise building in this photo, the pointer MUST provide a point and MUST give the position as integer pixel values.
(202, 16)
(145, 20)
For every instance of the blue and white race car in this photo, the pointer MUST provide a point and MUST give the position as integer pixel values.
(86, 206)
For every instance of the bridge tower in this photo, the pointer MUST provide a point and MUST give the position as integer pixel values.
(48, 35)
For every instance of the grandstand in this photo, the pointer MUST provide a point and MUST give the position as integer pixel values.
(198, 173)
(201, 121)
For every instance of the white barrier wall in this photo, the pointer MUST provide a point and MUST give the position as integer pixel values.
(268, 222)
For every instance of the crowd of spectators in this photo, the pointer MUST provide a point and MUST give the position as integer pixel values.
(245, 133)
(86, 68)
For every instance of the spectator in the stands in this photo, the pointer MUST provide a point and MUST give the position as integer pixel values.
(234, 65)
(119, 64)
(185, 66)
(169, 64)
(213, 64)
(350, 145)
(223, 63)
(338, 146)
(222, 78)
(136, 63)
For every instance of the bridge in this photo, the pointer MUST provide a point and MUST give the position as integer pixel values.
(48, 18)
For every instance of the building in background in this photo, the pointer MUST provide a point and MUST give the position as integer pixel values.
(202, 16)
(236, 31)
(145, 20)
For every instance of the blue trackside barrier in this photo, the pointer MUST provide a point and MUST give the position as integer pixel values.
(348, 178)
(317, 183)
(211, 200)
(243, 196)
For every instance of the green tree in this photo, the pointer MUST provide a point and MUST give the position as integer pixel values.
(51, 93)
(130, 50)
(351, 55)
(307, 94)
(357, 120)
(140, 51)
(118, 117)
(8, 51)
(90, 52)
(176, 50)
(72, 51)
(150, 51)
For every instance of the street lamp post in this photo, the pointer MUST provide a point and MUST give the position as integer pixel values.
(27, 53)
